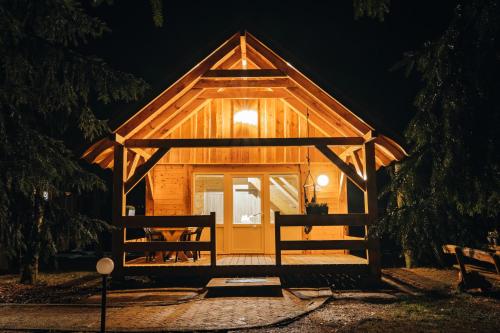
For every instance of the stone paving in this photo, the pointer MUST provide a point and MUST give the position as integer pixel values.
(199, 313)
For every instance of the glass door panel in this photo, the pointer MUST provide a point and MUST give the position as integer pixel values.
(247, 200)
(247, 234)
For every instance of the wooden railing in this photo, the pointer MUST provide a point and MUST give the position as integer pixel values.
(172, 222)
(354, 243)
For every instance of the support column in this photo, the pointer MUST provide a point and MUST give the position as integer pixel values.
(119, 203)
(373, 252)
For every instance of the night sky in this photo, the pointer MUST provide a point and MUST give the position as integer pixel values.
(351, 59)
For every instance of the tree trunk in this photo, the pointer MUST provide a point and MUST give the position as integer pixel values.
(29, 267)
(409, 260)
(407, 252)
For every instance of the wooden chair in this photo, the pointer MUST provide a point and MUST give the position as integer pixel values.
(187, 236)
(469, 276)
(152, 235)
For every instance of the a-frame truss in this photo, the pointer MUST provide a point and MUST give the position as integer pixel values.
(242, 67)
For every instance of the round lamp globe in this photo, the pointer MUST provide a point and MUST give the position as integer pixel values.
(105, 266)
(323, 180)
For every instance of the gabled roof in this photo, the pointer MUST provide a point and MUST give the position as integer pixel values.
(250, 69)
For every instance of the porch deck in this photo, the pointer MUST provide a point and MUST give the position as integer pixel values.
(258, 260)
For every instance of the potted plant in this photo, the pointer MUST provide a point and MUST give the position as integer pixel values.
(314, 208)
(493, 238)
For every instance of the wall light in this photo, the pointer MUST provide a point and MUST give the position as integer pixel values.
(249, 117)
(322, 180)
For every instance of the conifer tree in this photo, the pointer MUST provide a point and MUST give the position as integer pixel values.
(447, 190)
(48, 90)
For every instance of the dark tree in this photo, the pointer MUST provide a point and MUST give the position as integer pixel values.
(48, 87)
(447, 189)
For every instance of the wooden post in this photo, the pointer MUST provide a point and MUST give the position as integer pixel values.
(463, 277)
(119, 202)
(213, 245)
(277, 238)
(373, 251)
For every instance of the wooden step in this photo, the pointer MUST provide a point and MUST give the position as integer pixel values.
(244, 286)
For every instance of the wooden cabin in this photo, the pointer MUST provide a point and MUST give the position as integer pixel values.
(247, 137)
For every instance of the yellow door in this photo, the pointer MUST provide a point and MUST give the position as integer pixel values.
(247, 221)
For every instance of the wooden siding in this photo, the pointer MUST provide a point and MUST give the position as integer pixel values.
(276, 119)
(171, 190)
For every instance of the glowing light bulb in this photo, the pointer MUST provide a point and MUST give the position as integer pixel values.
(249, 117)
(322, 180)
(105, 266)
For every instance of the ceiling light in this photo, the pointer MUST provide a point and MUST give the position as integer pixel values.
(249, 117)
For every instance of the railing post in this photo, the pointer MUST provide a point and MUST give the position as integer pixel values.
(277, 238)
(213, 245)
(119, 202)
(373, 251)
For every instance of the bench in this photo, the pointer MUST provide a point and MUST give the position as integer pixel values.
(471, 276)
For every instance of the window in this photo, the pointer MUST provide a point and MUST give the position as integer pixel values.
(284, 194)
(209, 196)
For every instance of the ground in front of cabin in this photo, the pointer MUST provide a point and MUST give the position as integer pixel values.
(455, 313)
(437, 308)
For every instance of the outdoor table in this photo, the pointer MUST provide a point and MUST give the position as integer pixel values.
(171, 234)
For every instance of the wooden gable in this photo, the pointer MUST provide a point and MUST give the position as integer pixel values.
(242, 72)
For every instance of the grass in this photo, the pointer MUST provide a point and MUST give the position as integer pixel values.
(454, 313)
(54, 287)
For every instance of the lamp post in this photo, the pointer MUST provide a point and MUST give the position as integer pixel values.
(104, 267)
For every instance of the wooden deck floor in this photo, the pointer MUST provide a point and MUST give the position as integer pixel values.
(258, 260)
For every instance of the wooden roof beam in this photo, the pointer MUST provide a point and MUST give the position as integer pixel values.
(182, 116)
(152, 127)
(347, 152)
(344, 167)
(243, 45)
(184, 83)
(244, 83)
(357, 163)
(243, 73)
(307, 84)
(244, 93)
(315, 121)
(258, 59)
(133, 165)
(103, 155)
(144, 169)
(107, 162)
(93, 152)
(340, 124)
(244, 142)
(231, 61)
